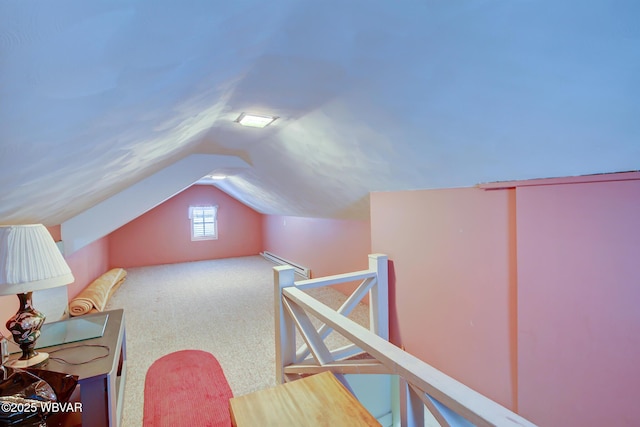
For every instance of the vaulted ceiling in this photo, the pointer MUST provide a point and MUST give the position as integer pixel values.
(96, 96)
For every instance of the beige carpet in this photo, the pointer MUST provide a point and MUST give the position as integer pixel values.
(223, 306)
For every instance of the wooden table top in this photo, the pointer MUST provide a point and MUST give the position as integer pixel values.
(318, 400)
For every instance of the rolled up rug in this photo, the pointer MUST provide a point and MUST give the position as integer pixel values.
(95, 296)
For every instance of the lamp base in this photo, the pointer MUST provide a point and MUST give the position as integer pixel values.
(25, 329)
(36, 360)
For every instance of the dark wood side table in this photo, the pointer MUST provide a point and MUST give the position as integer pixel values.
(100, 382)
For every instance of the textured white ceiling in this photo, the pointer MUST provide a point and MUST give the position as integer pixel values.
(372, 95)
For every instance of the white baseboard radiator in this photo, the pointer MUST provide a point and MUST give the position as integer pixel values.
(302, 271)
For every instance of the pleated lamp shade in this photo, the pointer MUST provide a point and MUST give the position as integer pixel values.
(30, 260)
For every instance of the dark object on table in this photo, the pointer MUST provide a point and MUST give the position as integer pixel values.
(25, 395)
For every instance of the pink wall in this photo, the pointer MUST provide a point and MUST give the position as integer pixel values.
(162, 235)
(87, 264)
(528, 295)
(327, 246)
(578, 296)
(453, 281)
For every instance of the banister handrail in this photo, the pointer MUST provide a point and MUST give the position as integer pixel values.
(335, 279)
(451, 402)
(463, 400)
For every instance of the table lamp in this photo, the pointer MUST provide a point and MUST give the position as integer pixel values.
(29, 261)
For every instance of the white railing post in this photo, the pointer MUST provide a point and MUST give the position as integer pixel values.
(379, 296)
(283, 277)
(411, 406)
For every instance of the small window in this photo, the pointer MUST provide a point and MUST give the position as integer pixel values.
(204, 223)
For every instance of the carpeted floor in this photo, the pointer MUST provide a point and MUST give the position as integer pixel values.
(222, 306)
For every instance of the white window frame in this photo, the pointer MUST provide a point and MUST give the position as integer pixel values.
(197, 215)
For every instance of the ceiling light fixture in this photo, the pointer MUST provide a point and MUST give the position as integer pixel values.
(255, 121)
(217, 176)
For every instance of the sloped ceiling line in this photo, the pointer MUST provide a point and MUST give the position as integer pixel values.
(116, 211)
